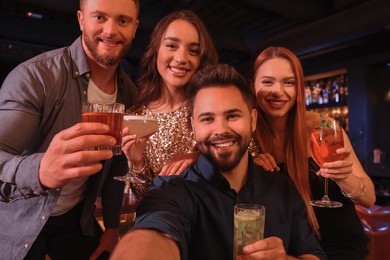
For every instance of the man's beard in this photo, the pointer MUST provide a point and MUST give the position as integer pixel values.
(226, 162)
(107, 59)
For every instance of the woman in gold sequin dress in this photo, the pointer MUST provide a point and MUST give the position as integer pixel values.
(179, 46)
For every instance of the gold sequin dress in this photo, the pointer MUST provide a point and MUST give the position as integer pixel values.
(174, 137)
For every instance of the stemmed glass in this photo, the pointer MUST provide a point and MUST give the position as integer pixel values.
(141, 126)
(324, 141)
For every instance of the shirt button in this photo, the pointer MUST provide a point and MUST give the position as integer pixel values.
(43, 217)
(36, 192)
(76, 73)
(26, 245)
(88, 75)
(85, 92)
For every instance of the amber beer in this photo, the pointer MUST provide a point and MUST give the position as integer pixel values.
(324, 143)
(110, 114)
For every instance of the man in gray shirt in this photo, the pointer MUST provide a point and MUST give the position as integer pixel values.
(49, 181)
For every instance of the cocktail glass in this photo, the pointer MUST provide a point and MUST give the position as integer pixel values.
(141, 126)
(324, 141)
(249, 222)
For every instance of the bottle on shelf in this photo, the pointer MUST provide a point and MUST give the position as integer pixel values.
(327, 93)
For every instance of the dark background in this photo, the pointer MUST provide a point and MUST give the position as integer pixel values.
(327, 35)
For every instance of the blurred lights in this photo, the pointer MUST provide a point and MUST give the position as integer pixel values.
(383, 228)
(388, 95)
(34, 15)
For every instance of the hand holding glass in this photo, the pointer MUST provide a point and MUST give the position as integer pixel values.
(249, 222)
(324, 141)
(110, 114)
(141, 126)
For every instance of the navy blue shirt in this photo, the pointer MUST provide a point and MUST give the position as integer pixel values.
(196, 210)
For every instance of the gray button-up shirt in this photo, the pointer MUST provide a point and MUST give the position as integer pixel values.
(38, 99)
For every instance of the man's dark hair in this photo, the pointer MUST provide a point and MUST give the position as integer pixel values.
(137, 5)
(221, 75)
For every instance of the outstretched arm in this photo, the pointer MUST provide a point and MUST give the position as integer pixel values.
(146, 244)
(107, 243)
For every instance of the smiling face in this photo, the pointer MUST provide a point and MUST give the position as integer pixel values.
(179, 54)
(108, 28)
(223, 130)
(275, 87)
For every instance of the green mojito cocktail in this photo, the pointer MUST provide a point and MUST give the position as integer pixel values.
(249, 222)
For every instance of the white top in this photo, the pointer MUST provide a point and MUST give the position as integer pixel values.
(72, 193)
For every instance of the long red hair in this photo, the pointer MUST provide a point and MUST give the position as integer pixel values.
(296, 134)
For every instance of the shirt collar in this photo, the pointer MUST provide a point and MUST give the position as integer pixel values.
(80, 64)
(212, 175)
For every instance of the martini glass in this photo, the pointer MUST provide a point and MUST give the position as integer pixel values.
(141, 126)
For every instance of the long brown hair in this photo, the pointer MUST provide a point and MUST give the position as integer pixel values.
(149, 83)
(296, 134)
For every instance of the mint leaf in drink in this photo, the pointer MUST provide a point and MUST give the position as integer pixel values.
(323, 121)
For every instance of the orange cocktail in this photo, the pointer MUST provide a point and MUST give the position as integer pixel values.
(324, 143)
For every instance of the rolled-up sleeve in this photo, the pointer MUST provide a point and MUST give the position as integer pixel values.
(20, 114)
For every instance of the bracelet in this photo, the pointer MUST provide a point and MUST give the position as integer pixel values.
(139, 171)
(363, 188)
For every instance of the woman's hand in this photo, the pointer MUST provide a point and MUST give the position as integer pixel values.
(338, 170)
(128, 141)
(266, 161)
(349, 175)
(178, 164)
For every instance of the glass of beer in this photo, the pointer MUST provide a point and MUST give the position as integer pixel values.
(110, 114)
(249, 222)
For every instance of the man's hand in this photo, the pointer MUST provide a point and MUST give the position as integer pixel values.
(267, 248)
(270, 248)
(67, 156)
